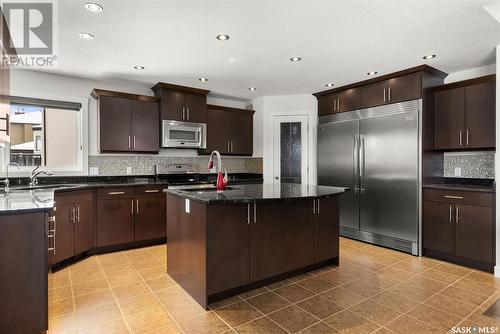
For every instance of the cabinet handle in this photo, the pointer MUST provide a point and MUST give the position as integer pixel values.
(460, 138)
(116, 193)
(453, 197)
(317, 211)
(457, 211)
(73, 215)
(78, 213)
(137, 206)
(255, 213)
(232, 147)
(132, 207)
(314, 206)
(385, 99)
(333, 105)
(467, 138)
(53, 235)
(151, 191)
(248, 213)
(134, 141)
(183, 112)
(389, 94)
(450, 214)
(129, 142)
(228, 147)
(188, 113)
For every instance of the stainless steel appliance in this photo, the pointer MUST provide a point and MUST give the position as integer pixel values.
(184, 134)
(375, 152)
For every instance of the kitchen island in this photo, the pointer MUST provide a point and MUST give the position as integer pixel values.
(224, 243)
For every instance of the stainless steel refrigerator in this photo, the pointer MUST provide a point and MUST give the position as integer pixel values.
(376, 153)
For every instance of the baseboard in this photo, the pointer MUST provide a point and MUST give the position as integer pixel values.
(497, 271)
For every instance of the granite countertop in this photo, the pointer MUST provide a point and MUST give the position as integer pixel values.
(258, 192)
(462, 184)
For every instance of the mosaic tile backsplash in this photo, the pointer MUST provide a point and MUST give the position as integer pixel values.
(477, 165)
(144, 165)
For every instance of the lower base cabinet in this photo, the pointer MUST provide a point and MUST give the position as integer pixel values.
(115, 221)
(459, 226)
(24, 278)
(150, 217)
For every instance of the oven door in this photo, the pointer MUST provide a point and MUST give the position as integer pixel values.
(183, 134)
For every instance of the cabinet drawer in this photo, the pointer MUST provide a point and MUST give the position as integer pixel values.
(115, 192)
(74, 196)
(459, 197)
(149, 190)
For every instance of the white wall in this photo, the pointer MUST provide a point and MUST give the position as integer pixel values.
(470, 73)
(50, 86)
(265, 109)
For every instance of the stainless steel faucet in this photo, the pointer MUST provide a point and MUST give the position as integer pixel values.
(6, 181)
(34, 176)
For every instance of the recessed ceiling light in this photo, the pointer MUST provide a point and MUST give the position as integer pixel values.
(252, 88)
(93, 7)
(329, 84)
(86, 35)
(203, 79)
(429, 56)
(222, 37)
(372, 73)
(139, 67)
(295, 59)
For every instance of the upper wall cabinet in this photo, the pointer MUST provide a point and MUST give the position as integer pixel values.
(180, 103)
(229, 130)
(464, 114)
(127, 122)
(391, 88)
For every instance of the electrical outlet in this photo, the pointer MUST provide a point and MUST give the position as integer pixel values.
(93, 171)
(457, 171)
(129, 170)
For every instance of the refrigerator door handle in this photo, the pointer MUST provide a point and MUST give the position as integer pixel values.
(355, 165)
(362, 165)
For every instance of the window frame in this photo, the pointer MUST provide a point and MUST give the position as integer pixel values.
(81, 168)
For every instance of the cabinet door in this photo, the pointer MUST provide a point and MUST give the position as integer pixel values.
(474, 233)
(115, 124)
(267, 240)
(404, 88)
(299, 234)
(196, 108)
(480, 115)
(348, 100)
(218, 131)
(64, 239)
(145, 126)
(241, 130)
(325, 104)
(228, 249)
(115, 221)
(439, 227)
(84, 226)
(171, 105)
(449, 118)
(150, 217)
(326, 229)
(373, 95)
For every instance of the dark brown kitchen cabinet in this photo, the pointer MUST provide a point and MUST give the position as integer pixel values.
(267, 240)
(127, 122)
(74, 225)
(346, 100)
(299, 234)
(459, 226)
(229, 130)
(464, 114)
(150, 217)
(24, 278)
(449, 118)
(115, 221)
(180, 103)
(326, 229)
(394, 90)
(228, 246)
(326, 105)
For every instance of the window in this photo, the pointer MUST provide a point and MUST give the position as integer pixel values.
(45, 133)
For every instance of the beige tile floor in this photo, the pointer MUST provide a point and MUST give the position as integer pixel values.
(374, 290)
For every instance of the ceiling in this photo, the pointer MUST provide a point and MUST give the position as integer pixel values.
(338, 41)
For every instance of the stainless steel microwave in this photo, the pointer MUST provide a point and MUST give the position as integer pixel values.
(184, 134)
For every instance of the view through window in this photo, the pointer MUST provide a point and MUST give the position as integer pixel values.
(41, 136)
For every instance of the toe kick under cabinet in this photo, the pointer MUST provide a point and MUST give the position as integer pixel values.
(458, 226)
